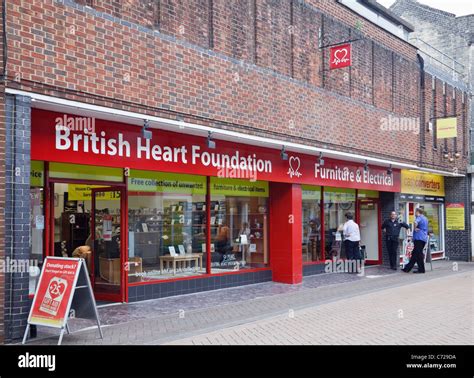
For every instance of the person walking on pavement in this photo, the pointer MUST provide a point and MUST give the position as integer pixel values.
(351, 238)
(420, 238)
(391, 228)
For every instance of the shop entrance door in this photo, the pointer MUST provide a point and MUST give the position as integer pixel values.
(370, 230)
(109, 242)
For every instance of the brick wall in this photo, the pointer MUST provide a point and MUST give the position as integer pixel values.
(458, 243)
(442, 30)
(233, 29)
(2, 189)
(443, 105)
(168, 15)
(17, 213)
(447, 34)
(2, 208)
(100, 55)
(345, 15)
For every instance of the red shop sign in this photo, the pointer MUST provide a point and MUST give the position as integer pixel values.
(114, 144)
(340, 56)
(53, 294)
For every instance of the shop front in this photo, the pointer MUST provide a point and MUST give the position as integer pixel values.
(158, 213)
(323, 215)
(425, 191)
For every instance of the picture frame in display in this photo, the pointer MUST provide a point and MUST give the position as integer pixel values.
(172, 250)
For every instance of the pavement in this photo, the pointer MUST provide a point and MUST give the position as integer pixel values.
(379, 307)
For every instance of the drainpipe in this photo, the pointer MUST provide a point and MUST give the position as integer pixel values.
(421, 65)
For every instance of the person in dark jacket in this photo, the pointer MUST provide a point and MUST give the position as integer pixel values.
(391, 228)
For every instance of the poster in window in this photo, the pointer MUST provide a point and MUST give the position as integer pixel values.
(455, 215)
(107, 227)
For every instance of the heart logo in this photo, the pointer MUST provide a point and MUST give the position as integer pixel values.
(295, 164)
(56, 288)
(340, 55)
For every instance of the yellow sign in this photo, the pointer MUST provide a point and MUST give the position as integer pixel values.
(368, 194)
(338, 195)
(446, 128)
(421, 183)
(237, 187)
(455, 215)
(161, 182)
(84, 193)
(85, 172)
(310, 192)
(37, 173)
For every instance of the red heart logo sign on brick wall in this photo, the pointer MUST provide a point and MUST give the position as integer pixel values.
(340, 56)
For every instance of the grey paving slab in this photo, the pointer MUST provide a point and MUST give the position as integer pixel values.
(422, 313)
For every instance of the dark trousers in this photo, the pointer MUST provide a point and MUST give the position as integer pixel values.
(352, 250)
(417, 257)
(353, 255)
(392, 247)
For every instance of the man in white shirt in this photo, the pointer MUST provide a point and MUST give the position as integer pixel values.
(351, 238)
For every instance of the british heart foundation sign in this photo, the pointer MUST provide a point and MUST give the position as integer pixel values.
(54, 292)
(340, 56)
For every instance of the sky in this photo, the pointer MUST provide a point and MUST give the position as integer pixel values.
(458, 7)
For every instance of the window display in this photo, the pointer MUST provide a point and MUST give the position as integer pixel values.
(239, 222)
(167, 225)
(433, 213)
(311, 223)
(337, 202)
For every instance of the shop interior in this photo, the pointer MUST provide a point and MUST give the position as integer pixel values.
(337, 202)
(74, 236)
(166, 232)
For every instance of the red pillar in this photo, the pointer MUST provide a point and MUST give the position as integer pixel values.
(286, 233)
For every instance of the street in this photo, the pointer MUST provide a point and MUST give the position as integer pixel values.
(378, 308)
(431, 312)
